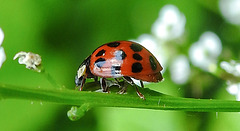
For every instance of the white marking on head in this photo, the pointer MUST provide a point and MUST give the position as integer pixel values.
(81, 71)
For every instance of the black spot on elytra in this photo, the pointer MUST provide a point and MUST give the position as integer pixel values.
(136, 47)
(137, 67)
(100, 62)
(113, 44)
(120, 55)
(153, 63)
(136, 56)
(115, 69)
(100, 53)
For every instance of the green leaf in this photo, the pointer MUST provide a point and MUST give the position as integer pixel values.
(154, 100)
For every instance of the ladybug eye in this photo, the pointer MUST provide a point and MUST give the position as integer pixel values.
(81, 71)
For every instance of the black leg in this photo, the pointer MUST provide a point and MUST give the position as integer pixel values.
(103, 84)
(82, 83)
(130, 81)
(141, 84)
(95, 78)
(123, 88)
(117, 80)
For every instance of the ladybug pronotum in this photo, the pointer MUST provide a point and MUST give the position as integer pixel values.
(120, 59)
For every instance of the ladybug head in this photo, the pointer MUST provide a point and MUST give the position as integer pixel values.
(80, 75)
(82, 72)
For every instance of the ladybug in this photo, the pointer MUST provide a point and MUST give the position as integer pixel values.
(120, 59)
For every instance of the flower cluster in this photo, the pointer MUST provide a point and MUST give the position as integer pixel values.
(31, 60)
(170, 23)
(234, 89)
(204, 53)
(168, 28)
(233, 68)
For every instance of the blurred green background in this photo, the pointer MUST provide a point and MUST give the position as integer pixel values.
(65, 32)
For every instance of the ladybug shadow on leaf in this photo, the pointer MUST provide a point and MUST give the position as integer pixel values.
(122, 89)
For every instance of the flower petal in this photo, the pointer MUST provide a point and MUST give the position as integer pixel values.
(1, 36)
(2, 56)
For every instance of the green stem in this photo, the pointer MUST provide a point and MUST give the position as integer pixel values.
(154, 100)
(77, 112)
(49, 78)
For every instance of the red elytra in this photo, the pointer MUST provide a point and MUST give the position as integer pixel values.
(122, 55)
(120, 59)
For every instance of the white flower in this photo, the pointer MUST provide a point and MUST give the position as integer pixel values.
(2, 53)
(170, 23)
(31, 60)
(204, 53)
(234, 89)
(2, 56)
(231, 67)
(230, 10)
(1, 36)
(180, 69)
